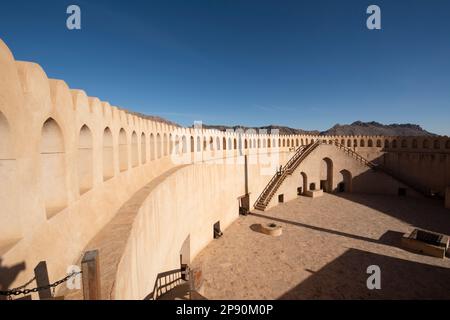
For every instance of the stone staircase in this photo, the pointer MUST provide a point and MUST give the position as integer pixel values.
(269, 191)
(302, 152)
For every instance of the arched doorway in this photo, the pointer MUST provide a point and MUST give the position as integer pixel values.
(326, 175)
(346, 181)
(303, 183)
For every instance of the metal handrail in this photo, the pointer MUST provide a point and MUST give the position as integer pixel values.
(279, 177)
(383, 169)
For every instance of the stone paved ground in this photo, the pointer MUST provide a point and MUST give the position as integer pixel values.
(325, 249)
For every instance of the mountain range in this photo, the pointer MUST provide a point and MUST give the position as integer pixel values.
(356, 128)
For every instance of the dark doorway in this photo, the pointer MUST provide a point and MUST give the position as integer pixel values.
(216, 230)
(281, 198)
(323, 185)
(299, 191)
(312, 186)
(341, 187)
(185, 258)
(244, 205)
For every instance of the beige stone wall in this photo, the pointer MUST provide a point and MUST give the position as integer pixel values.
(69, 161)
(187, 204)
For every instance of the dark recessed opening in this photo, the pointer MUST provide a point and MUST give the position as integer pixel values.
(244, 205)
(217, 232)
(312, 186)
(323, 184)
(341, 187)
(281, 198)
(299, 191)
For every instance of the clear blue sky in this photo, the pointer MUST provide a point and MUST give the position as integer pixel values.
(305, 64)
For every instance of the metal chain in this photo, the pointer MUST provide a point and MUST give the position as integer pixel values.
(16, 292)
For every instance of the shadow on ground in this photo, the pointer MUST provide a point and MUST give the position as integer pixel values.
(346, 276)
(429, 214)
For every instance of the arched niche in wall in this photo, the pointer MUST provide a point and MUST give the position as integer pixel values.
(404, 144)
(158, 146)
(108, 154)
(184, 146)
(85, 160)
(378, 143)
(170, 144)
(123, 150)
(192, 144)
(165, 145)
(436, 144)
(134, 150)
(152, 147)
(176, 145)
(53, 168)
(10, 226)
(143, 148)
(199, 146)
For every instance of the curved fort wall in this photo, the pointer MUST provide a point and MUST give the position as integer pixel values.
(68, 162)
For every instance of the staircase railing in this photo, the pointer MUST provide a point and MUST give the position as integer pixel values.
(355, 154)
(382, 168)
(273, 185)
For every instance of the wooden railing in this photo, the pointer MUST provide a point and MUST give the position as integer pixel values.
(383, 169)
(273, 185)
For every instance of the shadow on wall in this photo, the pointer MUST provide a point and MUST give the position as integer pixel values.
(421, 170)
(8, 275)
(346, 277)
(165, 282)
(422, 213)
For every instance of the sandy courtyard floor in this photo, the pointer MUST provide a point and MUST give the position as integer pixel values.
(325, 249)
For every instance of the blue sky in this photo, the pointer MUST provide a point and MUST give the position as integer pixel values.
(304, 64)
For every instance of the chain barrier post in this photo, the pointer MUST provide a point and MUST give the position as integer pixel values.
(41, 275)
(91, 275)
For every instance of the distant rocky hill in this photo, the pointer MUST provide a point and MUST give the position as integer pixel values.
(153, 118)
(377, 129)
(356, 128)
(282, 129)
